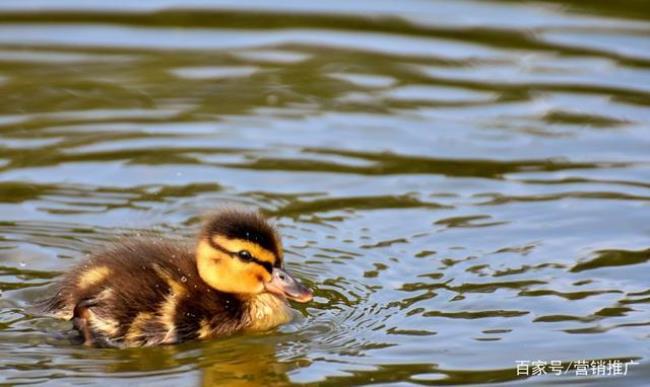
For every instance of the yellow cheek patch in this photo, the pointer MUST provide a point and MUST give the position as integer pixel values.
(237, 245)
(205, 252)
(244, 277)
(93, 276)
(228, 274)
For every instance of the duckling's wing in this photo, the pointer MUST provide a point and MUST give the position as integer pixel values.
(143, 292)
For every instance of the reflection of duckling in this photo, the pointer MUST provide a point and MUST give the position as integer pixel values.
(145, 292)
(244, 363)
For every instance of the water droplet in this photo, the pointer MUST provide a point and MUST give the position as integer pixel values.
(183, 279)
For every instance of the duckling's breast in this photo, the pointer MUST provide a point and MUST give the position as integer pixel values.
(266, 311)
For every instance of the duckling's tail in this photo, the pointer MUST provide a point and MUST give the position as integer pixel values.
(54, 306)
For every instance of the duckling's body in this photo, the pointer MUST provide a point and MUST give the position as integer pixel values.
(144, 292)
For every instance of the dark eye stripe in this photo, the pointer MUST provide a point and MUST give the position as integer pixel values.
(266, 265)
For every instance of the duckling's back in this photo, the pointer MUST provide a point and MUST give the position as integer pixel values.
(143, 292)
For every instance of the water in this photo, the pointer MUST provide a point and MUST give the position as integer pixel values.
(464, 184)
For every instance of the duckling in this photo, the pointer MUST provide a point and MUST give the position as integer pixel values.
(145, 292)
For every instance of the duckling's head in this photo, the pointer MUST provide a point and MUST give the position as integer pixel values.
(239, 252)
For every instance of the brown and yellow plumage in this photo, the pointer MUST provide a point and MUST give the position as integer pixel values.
(144, 292)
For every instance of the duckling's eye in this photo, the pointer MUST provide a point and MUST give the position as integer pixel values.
(245, 255)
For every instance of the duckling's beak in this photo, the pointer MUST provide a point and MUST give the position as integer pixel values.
(283, 284)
